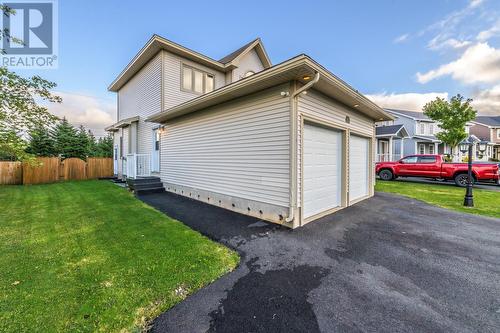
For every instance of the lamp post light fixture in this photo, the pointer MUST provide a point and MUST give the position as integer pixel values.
(466, 146)
(481, 147)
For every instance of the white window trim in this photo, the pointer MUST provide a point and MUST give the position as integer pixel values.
(419, 146)
(433, 152)
(204, 83)
(421, 128)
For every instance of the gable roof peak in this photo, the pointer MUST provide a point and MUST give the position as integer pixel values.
(259, 48)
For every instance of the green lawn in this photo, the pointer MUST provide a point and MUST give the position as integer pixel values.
(87, 256)
(451, 197)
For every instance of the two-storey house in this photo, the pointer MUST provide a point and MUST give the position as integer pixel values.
(487, 129)
(416, 135)
(287, 143)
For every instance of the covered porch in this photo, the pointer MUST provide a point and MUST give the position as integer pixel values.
(430, 145)
(131, 159)
(390, 143)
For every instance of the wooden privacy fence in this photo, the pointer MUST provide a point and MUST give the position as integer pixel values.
(53, 169)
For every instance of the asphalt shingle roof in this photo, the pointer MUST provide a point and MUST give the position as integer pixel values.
(231, 56)
(387, 130)
(413, 114)
(489, 120)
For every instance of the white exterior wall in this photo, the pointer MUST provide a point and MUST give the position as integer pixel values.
(172, 73)
(141, 96)
(249, 62)
(238, 150)
(325, 109)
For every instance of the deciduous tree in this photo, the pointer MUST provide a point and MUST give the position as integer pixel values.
(452, 117)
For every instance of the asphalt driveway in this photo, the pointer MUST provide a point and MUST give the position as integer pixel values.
(387, 264)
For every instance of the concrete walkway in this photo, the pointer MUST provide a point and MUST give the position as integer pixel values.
(387, 264)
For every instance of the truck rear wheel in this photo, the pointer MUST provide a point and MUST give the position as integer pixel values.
(386, 175)
(462, 179)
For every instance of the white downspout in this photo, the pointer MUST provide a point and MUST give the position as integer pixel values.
(293, 189)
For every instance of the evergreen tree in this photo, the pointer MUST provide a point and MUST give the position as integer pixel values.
(105, 146)
(41, 142)
(66, 139)
(82, 143)
(92, 149)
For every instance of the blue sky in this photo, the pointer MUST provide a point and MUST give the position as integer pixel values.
(400, 53)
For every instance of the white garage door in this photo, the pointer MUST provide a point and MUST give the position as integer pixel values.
(322, 169)
(359, 170)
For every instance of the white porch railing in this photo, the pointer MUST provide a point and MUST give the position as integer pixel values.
(387, 157)
(138, 165)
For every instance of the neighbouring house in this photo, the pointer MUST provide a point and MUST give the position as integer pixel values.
(416, 136)
(390, 141)
(287, 143)
(487, 129)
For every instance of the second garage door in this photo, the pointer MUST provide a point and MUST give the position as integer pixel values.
(359, 173)
(322, 169)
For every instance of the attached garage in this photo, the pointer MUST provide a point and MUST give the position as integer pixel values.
(359, 168)
(288, 145)
(322, 169)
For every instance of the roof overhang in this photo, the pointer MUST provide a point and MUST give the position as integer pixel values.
(259, 49)
(426, 138)
(400, 133)
(290, 70)
(122, 123)
(152, 47)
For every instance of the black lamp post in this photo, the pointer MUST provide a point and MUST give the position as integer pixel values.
(465, 146)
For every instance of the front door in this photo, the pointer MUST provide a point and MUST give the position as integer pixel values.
(155, 154)
(384, 151)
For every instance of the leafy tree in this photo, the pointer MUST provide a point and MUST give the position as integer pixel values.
(105, 146)
(66, 139)
(452, 116)
(19, 111)
(42, 142)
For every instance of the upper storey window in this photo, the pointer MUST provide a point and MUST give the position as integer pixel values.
(194, 80)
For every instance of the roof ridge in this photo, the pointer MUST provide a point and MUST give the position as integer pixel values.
(233, 55)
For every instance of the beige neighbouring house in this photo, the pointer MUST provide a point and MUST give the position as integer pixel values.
(287, 143)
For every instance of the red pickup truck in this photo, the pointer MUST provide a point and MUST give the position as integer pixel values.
(433, 166)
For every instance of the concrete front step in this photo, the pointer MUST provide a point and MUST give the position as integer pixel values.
(149, 190)
(132, 183)
(147, 185)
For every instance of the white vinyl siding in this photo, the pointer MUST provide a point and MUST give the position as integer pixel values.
(249, 62)
(239, 148)
(173, 91)
(322, 169)
(141, 96)
(359, 168)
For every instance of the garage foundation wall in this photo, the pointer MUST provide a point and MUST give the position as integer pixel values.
(261, 210)
(236, 153)
(318, 109)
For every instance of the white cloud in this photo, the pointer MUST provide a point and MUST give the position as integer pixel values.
(489, 33)
(475, 3)
(405, 101)
(401, 38)
(480, 63)
(450, 43)
(91, 112)
(487, 102)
